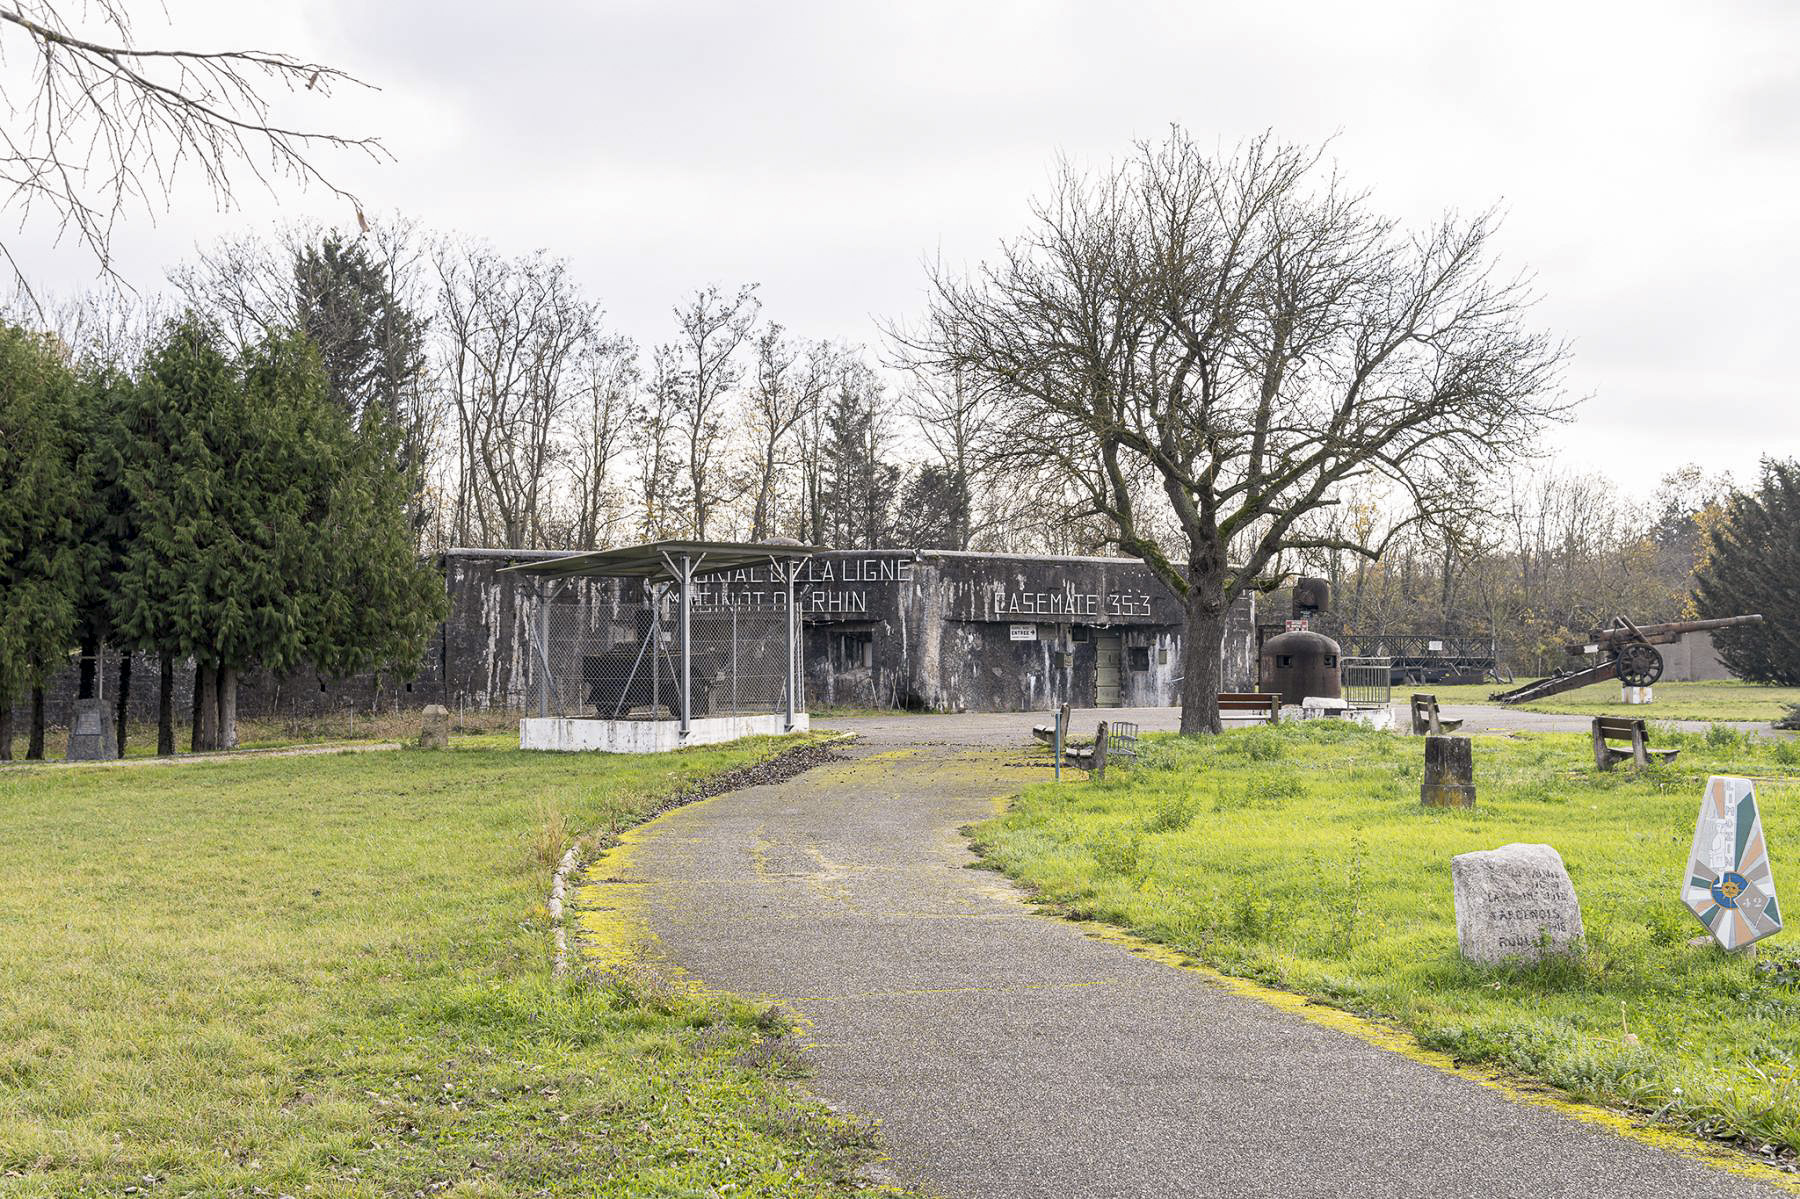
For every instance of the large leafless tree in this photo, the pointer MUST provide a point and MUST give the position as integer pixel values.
(1225, 342)
(103, 125)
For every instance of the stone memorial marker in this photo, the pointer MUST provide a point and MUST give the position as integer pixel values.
(91, 734)
(1514, 903)
(1728, 884)
(434, 731)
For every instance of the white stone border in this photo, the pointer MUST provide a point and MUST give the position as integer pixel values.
(559, 883)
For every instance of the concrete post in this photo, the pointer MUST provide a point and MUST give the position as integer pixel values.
(1449, 773)
(1100, 753)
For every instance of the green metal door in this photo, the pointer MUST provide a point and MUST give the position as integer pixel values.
(1109, 665)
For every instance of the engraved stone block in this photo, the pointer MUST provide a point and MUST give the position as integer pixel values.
(1514, 903)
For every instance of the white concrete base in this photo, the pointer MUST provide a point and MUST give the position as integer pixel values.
(566, 735)
(1637, 695)
(1332, 708)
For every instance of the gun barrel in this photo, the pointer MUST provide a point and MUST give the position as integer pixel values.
(1667, 632)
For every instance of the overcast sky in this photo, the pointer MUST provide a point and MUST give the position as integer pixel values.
(1646, 155)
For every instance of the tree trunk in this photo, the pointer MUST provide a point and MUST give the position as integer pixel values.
(1202, 638)
(206, 699)
(228, 686)
(34, 746)
(88, 669)
(165, 708)
(124, 695)
(6, 729)
(200, 689)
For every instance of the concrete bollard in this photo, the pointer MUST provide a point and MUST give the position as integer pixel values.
(434, 732)
(1449, 773)
(1100, 752)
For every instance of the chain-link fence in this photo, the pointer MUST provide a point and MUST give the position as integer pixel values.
(613, 649)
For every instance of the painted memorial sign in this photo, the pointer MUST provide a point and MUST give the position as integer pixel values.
(1728, 885)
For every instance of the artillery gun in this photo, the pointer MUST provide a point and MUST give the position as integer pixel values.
(1627, 652)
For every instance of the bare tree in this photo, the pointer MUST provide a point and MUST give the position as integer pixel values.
(108, 124)
(515, 335)
(599, 422)
(1229, 341)
(787, 390)
(652, 438)
(952, 417)
(713, 327)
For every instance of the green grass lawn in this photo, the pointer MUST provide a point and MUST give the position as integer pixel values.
(1301, 857)
(330, 976)
(284, 732)
(1728, 700)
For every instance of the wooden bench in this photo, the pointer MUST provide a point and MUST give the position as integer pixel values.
(1115, 742)
(1253, 704)
(1624, 728)
(1425, 718)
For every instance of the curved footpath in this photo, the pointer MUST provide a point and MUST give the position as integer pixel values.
(1010, 1054)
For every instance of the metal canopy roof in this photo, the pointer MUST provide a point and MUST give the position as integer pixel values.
(658, 560)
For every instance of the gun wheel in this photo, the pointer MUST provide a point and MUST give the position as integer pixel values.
(1639, 665)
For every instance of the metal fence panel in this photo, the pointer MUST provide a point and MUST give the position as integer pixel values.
(1367, 682)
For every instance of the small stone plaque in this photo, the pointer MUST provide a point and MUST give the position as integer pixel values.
(1728, 884)
(1514, 903)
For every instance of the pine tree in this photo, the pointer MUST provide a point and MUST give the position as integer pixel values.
(107, 518)
(371, 346)
(859, 487)
(1753, 565)
(39, 505)
(176, 480)
(377, 603)
(270, 530)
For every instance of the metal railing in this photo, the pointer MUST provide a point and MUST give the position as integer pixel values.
(1367, 682)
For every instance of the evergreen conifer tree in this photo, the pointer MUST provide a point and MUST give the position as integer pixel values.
(177, 478)
(1753, 565)
(40, 495)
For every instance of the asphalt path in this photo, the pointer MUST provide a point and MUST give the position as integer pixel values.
(1006, 1053)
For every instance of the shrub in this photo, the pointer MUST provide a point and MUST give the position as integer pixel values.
(1261, 744)
(1172, 812)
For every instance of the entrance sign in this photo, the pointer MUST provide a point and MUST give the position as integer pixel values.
(1728, 885)
(1024, 632)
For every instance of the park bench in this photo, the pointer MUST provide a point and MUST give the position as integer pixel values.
(1114, 742)
(1425, 718)
(1624, 728)
(1252, 705)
